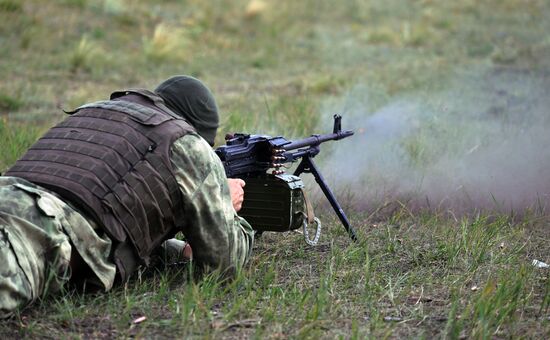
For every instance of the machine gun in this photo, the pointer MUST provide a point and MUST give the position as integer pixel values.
(275, 201)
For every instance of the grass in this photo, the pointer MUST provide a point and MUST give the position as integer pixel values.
(284, 68)
(430, 281)
(16, 139)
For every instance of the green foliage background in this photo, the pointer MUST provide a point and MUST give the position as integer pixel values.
(264, 66)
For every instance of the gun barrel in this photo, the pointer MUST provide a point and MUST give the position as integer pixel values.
(316, 140)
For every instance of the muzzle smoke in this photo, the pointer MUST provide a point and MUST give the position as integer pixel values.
(481, 142)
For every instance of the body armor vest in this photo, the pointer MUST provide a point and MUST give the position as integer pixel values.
(112, 160)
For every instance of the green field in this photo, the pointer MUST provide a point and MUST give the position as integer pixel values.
(446, 179)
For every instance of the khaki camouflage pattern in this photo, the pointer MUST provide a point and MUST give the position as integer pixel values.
(218, 236)
(38, 230)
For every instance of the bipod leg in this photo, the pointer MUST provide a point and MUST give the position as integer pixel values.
(307, 166)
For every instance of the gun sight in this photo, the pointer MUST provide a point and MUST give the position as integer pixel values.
(337, 123)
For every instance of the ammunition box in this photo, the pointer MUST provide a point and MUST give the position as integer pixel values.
(274, 202)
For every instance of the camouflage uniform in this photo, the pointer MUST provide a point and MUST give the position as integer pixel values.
(38, 231)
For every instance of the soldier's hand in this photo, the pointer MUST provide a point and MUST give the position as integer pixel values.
(236, 186)
(187, 252)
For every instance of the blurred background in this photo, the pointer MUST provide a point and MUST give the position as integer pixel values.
(449, 99)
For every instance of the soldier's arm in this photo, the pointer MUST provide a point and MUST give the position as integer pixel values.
(218, 237)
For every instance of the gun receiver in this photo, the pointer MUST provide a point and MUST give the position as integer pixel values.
(251, 156)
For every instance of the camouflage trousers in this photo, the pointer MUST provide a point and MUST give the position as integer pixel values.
(38, 233)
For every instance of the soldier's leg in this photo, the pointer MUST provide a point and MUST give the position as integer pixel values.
(15, 289)
(34, 251)
(30, 270)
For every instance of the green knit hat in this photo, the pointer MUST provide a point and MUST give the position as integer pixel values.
(192, 100)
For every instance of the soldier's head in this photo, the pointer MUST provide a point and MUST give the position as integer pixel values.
(191, 99)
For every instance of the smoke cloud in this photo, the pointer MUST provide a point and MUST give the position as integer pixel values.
(482, 141)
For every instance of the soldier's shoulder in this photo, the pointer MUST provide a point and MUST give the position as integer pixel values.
(192, 150)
